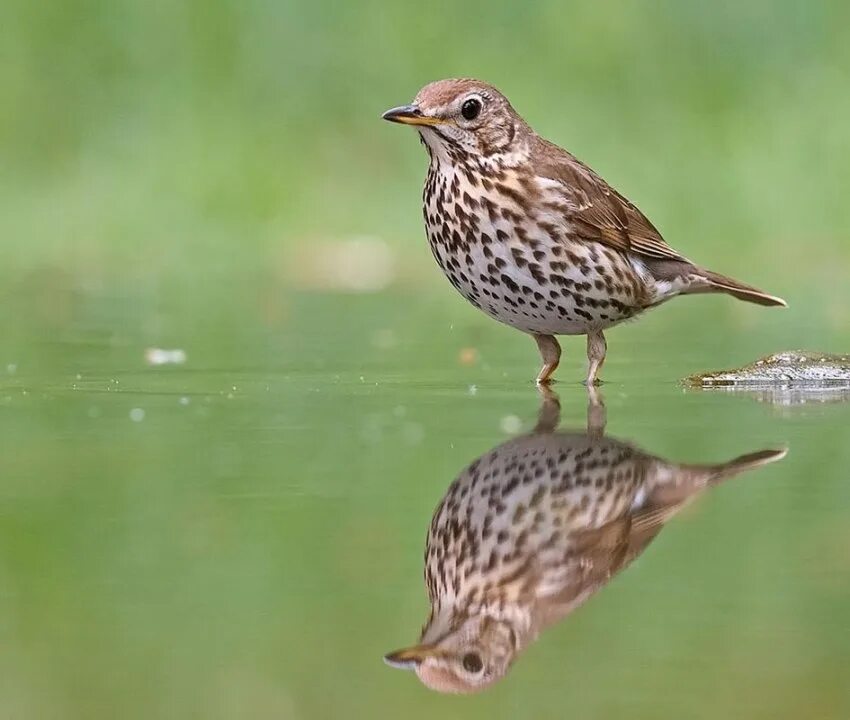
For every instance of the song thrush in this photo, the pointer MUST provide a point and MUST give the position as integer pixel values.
(529, 531)
(532, 236)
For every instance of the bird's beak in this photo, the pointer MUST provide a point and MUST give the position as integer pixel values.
(409, 658)
(409, 115)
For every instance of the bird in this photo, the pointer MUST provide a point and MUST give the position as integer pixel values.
(533, 528)
(534, 237)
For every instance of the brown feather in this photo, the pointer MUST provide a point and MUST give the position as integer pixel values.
(601, 214)
(713, 282)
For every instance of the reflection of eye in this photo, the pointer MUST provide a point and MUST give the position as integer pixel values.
(472, 662)
(471, 108)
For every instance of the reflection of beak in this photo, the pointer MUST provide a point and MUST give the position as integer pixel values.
(409, 658)
(410, 115)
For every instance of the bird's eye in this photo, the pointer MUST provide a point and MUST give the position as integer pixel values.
(472, 662)
(470, 108)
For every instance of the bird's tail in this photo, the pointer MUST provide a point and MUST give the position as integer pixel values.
(742, 463)
(677, 484)
(706, 281)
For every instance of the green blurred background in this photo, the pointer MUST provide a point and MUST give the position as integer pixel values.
(241, 536)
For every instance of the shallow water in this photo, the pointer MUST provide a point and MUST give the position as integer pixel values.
(242, 535)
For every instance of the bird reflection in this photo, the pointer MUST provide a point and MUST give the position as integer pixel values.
(533, 528)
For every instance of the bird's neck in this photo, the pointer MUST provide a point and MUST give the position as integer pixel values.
(516, 156)
(450, 159)
(448, 614)
(516, 622)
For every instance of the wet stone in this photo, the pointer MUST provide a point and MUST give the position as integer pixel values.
(790, 378)
(789, 367)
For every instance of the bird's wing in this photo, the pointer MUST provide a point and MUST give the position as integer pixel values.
(595, 556)
(597, 211)
(646, 524)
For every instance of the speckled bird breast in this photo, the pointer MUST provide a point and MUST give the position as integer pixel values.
(528, 500)
(501, 239)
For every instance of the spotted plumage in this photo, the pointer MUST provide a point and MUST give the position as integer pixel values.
(532, 236)
(529, 531)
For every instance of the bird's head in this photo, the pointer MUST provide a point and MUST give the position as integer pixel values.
(462, 115)
(466, 659)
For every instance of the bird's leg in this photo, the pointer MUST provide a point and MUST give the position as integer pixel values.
(597, 416)
(550, 351)
(549, 414)
(596, 348)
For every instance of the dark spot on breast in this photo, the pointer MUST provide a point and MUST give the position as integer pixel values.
(561, 280)
(509, 283)
(510, 215)
(537, 497)
(550, 230)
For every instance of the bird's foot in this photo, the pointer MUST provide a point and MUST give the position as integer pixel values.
(550, 351)
(597, 416)
(549, 414)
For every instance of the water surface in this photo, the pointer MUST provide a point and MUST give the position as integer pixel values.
(242, 535)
